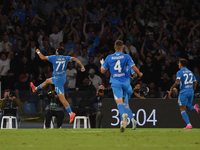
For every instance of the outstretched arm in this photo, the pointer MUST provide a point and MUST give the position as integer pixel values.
(41, 55)
(78, 61)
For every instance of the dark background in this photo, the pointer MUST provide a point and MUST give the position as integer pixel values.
(167, 113)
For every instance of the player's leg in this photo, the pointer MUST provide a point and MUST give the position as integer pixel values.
(59, 87)
(67, 106)
(127, 108)
(118, 96)
(194, 107)
(182, 101)
(42, 85)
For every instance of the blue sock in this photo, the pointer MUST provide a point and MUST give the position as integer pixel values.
(68, 108)
(129, 112)
(191, 108)
(121, 108)
(185, 117)
(39, 87)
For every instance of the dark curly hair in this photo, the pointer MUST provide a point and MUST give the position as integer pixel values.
(61, 50)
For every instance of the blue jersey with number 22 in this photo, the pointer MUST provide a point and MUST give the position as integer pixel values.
(118, 63)
(187, 78)
(59, 64)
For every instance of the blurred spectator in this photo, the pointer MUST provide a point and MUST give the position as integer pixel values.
(57, 36)
(164, 83)
(4, 68)
(39, 76)
(25, 66)
(129, 49)
(70, 45)
(76, 52)
(106, 79)
(4, 44)
(20, 12)
(71, 76)
(95, 79)
(21, 87)
(91, 65)
(86, 85)
(173, 94)
(149, 71)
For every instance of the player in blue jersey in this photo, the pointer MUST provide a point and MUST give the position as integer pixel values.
(188, 85)
(120, 78)
(59, 78)
(128, 96)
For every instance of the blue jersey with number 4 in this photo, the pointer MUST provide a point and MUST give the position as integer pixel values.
(59, 64)
(118, 63)
(187, 78)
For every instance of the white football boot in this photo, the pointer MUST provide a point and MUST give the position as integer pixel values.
(124, 122)
(134, 123)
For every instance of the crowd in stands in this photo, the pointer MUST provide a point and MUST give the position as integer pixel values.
(156, 33)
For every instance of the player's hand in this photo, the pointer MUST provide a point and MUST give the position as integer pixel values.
(37, 50)
(82, 69)
(102, 61)
(140, 74)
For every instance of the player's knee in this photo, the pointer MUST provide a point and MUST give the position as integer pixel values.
(182, 108)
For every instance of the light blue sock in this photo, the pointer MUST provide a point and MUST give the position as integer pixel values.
(191, 108)
(129, 112)
(39, 87)
(185, 117)
(68, 108)
(121, 108)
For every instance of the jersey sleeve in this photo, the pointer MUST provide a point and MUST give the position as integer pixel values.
(132, 71)
(51, 58)
(68, 58)
(178, 75)
(105, 64)
(130, 61)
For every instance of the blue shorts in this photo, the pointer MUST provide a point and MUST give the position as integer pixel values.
(120, 89)
(128, 95)
(59, 84)
(186, 98)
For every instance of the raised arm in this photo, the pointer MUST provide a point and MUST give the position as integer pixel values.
(76, 36)
(41, 55)
(10, 52)
(101, 33)
(84, 32)
(65, 27)
(78, 62)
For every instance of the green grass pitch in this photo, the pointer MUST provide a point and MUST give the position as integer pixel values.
(99, 139)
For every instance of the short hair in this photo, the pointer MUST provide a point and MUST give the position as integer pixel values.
(119, 44)
(61, 50)
(183, 62)
(7, 90)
